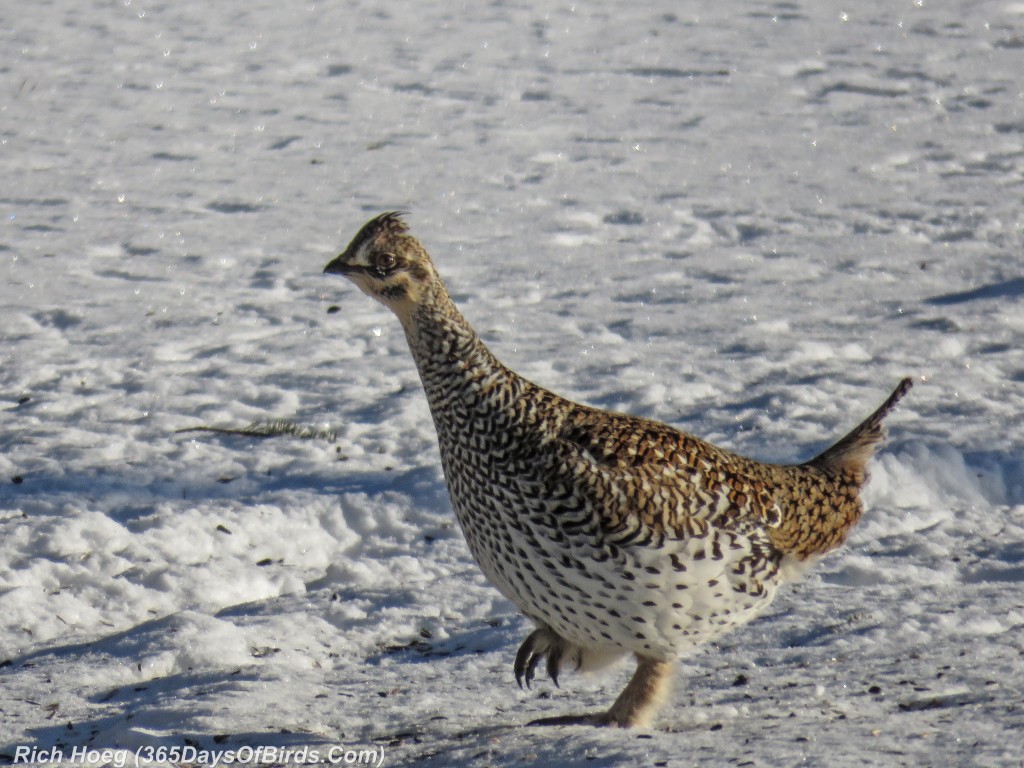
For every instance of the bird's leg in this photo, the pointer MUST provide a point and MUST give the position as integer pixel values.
(643, 696)
(636, 705)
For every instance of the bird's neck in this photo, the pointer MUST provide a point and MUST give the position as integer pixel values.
(459, 373)
(444, 344)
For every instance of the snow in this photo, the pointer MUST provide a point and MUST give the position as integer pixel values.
(747, 220)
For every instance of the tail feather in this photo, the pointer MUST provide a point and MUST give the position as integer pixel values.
(851, 453)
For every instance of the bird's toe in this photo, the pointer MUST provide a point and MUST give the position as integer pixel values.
(540, 645)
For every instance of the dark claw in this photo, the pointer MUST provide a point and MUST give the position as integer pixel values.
(522, 657)
(543, 645)
(528, 657)
(554, 662)
(532, 667)
(539, 645)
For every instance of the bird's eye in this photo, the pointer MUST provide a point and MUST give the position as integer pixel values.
(384, 262)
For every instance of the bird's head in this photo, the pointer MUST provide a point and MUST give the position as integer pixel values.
(387, 263)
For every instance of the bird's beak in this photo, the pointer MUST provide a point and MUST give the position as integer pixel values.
(338, 266)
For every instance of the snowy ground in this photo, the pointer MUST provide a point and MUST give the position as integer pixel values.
(746, 219)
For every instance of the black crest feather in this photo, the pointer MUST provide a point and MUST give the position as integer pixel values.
(389, 223)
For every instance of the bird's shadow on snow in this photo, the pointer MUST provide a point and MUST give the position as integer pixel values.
(1006, 289)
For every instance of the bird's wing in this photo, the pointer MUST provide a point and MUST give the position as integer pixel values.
(675, 507)
(641, 473)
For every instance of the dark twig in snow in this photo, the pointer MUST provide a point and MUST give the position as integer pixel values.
(272, 428)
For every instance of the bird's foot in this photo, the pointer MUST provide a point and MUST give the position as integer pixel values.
(636, 705)
(543, 644)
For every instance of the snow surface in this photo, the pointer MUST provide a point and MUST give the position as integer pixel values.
(746, 219)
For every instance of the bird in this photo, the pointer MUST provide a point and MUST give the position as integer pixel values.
(615, 534)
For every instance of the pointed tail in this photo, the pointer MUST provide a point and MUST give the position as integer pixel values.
(851, 454)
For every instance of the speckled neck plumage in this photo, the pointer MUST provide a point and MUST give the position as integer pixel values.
(446, 349)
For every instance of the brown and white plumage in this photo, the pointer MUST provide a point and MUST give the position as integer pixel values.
(615, 534)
